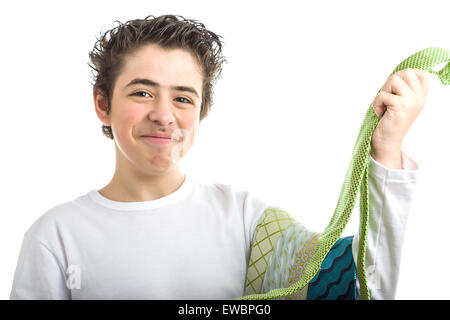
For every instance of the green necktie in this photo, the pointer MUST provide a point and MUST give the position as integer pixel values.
(356, 180)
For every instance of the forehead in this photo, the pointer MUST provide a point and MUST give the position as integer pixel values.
(167, 66)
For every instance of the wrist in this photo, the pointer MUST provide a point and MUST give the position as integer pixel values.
(391, 159)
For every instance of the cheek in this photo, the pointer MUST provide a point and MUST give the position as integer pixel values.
(189, 126)
(126, 123)
(132, 117)
(191, 123)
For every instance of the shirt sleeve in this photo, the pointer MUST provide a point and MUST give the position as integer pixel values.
(390, 199)
(38, 275)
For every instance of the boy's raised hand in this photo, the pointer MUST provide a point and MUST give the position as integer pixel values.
(399, 103)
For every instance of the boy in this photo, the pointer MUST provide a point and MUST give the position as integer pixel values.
(154, 232)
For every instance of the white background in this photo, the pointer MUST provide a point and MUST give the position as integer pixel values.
(288, 107)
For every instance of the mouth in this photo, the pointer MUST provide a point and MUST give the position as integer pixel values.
(158, 140)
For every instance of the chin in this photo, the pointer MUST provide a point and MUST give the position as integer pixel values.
(159, 165)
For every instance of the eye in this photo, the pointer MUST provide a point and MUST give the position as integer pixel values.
(186, 100)
(141, 94)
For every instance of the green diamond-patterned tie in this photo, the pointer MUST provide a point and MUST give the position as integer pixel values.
(357, 179)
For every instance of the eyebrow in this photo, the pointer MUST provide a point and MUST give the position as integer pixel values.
(151, 83)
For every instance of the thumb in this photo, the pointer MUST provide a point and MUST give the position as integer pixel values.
(378, 105)
(383, 101)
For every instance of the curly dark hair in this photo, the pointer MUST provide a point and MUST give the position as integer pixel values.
(107, 57)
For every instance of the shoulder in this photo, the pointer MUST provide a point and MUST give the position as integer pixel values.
(224, 193)
(48, 225)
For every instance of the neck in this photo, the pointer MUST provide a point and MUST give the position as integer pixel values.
(132, 185)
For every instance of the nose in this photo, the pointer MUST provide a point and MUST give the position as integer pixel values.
(161, 111)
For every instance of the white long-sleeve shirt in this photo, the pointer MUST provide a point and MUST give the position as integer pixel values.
(191, 244)
(390, 200)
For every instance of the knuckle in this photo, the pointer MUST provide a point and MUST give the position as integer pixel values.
(395, 77)
(409, 72)
(406, 73)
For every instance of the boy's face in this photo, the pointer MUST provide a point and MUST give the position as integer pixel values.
(139, 107)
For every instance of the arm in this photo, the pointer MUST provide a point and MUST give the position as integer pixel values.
(390, 200)
(397, 104)
(38, 275)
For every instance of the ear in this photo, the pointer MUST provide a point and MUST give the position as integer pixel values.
(101, 107)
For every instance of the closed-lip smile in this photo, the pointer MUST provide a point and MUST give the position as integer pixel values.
(158, 138)
(158, 135)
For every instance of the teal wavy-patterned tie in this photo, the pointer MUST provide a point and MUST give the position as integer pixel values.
(357, 179)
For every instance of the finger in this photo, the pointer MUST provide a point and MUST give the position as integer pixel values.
(384, 100)
(398, 85)
(395, 85)
(424, 79)
(411, 78)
